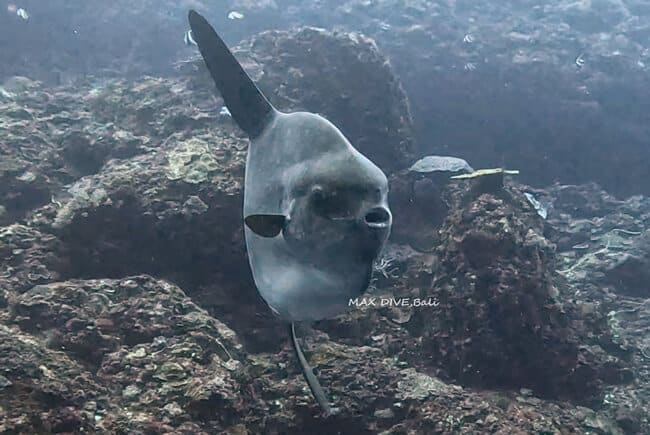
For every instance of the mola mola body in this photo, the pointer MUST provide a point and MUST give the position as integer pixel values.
(315, 209)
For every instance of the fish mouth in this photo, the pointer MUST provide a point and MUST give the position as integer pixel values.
(378, 217)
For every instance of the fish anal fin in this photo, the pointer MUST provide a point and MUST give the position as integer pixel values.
(308, 374)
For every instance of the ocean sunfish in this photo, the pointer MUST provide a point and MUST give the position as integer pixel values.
(315, 209)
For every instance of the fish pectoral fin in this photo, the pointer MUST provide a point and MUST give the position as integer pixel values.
(265, 225)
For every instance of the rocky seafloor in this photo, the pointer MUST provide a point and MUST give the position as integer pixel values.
(126, 304)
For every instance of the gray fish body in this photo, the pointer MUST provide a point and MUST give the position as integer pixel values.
(315, 209)
(323, 257)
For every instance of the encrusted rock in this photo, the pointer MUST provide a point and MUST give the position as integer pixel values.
(46, 391)
(149, 343)
(29, 257)
(630, 273)
(499, 322)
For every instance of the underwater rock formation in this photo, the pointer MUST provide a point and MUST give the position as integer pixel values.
(52, 137)
(29, 257)
(593, 231)
(501, 321)
(137, 343)
(603, 241)
(45, 391)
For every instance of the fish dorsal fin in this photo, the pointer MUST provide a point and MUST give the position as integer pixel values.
(248, 106)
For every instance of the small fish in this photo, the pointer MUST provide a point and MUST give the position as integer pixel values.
(6, 94)
(469, 66)
(580, 60)
(22, 13)
(188, 38)
(468, 39)
(56, 202)
(538, 206)
(234, 15)
(384, 26)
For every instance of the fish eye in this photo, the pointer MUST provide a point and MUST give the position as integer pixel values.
(331, 204)
(317, 192)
